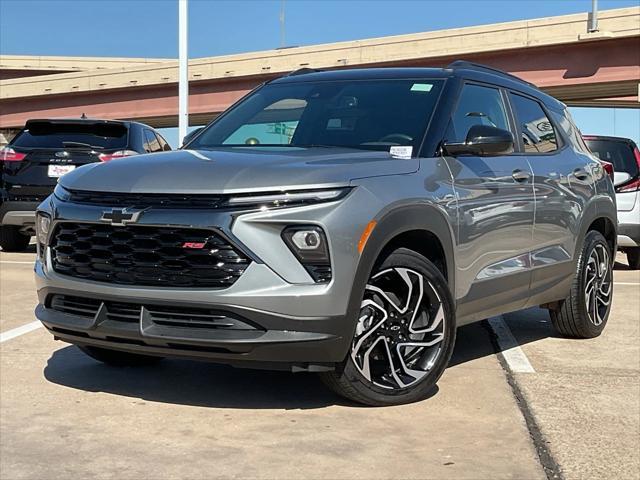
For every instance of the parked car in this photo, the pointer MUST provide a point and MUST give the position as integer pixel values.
(44, 150)
(342, 222)
(623, 153)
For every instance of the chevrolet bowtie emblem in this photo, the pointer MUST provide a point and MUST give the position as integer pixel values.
(121, 216)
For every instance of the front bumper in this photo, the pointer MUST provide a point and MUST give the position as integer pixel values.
(261, 339)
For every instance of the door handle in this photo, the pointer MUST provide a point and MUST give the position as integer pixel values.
(581, 174)
(520, 176)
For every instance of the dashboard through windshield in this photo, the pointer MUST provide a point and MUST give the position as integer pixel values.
(362, 114)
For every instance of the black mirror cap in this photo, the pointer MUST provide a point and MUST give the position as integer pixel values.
(190, 136)
(482, 140)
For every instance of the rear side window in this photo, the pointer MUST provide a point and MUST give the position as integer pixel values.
(616, 152)
(478, 105)
(151, 143)
(163, 143)
(538, 134)
(72, 135)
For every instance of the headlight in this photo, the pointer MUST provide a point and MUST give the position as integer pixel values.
(283, 199)
(42, 228)
(309, 244)
(61, 193)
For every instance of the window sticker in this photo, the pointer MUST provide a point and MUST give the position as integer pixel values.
(401, 151)
(421, 87)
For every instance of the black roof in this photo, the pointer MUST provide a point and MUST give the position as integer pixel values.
(77, 120)
(459, 69)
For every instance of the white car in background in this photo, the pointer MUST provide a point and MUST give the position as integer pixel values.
(623, 153)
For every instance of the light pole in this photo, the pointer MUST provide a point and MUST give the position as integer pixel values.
(183, 71)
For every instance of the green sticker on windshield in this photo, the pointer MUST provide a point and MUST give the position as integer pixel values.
(421, 87)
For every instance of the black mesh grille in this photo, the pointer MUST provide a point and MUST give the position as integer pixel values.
(144, 200)
(164, 315)
(146, 256)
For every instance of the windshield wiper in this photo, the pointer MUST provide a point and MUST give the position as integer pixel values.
(80, 144)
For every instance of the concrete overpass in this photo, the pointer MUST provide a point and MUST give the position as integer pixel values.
(556, 53)
(18, 66)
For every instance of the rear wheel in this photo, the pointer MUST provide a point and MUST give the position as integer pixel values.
(404, 334)
(585, 312)
(12, 240)
(633, 257)
(117, 358)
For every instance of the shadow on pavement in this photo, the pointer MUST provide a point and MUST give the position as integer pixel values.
(210, 385)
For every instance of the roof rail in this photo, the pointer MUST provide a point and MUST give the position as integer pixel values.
(302, 71)
(479, 66)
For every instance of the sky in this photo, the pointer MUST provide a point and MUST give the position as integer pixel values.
(148, 28)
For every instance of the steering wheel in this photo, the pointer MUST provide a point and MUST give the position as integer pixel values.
(398, 138)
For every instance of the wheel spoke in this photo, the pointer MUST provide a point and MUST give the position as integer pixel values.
(400, 328)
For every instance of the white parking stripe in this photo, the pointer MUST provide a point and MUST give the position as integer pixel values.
(511, 351)
(626, 283)
(17, 262)
(16, 332)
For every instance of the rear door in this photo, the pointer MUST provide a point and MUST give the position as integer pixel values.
(495, 212)
(54, 148)
(563, 186)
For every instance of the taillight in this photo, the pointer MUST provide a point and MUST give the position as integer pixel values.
(10, 155)
(633, 185)
(608, 167)
(107, 157)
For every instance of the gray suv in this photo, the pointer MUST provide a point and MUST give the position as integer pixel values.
(341, 222)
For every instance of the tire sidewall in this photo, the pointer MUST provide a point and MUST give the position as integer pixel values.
(381, 396)
(593, 239)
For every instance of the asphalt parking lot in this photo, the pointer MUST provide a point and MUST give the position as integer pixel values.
(546, 407)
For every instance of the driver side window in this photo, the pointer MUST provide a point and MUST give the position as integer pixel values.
(478, 105)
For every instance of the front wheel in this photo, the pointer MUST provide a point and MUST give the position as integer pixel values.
(585, 312)
(404, 334)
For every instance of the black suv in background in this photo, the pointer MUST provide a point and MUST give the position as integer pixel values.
(44, 150)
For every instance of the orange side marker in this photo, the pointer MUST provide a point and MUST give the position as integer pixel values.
(366, 234)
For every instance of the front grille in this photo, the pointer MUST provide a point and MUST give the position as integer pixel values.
(145, 200)
(164, 315)
(146, 256)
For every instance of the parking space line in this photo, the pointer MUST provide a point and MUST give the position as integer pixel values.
(626, 283)
(17, 262)
(510, 349)
(16, 332)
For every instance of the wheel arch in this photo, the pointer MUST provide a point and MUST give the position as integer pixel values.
(600, 215)
(422, 228)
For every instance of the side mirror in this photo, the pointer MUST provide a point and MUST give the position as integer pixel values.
(189, 136)
(482, 140)
(620, 177)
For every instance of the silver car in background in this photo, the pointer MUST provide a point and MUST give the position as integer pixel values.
(623, 153)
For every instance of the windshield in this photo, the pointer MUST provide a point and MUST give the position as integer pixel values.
(72, 135)
(372, 114)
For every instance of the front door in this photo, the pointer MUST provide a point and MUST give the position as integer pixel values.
(495, 213)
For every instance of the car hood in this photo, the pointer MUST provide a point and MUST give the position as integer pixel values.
(230, 170)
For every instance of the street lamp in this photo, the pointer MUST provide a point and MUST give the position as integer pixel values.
(183, 71)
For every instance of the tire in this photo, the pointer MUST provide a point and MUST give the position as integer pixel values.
(117, 358)
(380, 368)
(11, 240)
(585, 312)
(633, 257)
